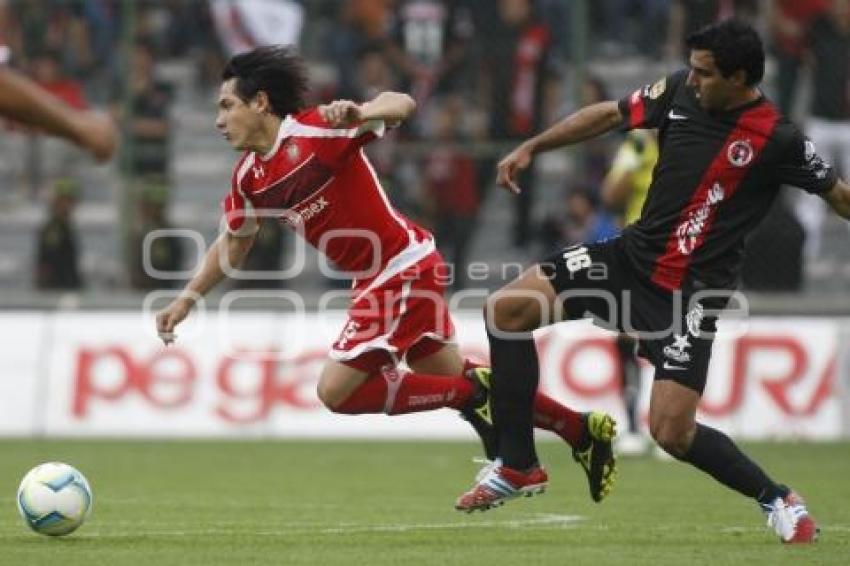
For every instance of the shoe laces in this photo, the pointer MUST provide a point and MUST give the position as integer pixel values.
(782, 517)
(488, 466)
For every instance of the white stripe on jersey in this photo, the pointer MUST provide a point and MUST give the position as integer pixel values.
(250, 226)
(281, 134)
(249, 161)
(296, 128)
(413, 253)
(411, 236)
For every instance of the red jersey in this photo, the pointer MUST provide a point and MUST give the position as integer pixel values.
(317, 179)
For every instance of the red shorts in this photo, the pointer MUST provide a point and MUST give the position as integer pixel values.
(405, 318)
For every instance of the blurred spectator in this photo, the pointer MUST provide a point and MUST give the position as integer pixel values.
(49, 25)
(51, 159)
(46, 70)
(149, 123)
(265, 255)
(243, 25)
(585, 222)
(57, 265)
(360, 24)
(164, 253)
(375, 75)
(205, 46)
(451, 189)
(790, 23)
(829, 123)
(428, 46)
(596, 153)
(625, 25)
(627, 183)
(520, 83)
(687, 16)
(829, 126)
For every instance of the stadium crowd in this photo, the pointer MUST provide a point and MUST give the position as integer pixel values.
(484, 74)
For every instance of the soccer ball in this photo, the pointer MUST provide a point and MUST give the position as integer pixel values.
(54, 499)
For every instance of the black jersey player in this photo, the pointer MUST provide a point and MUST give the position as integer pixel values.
(724, 152)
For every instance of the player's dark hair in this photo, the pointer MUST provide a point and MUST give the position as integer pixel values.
(735, 46)
(277, 70)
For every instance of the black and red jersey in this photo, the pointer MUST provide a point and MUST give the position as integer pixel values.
(716, 178)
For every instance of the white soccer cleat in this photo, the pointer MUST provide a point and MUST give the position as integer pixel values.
(631, 444)
(790, 519)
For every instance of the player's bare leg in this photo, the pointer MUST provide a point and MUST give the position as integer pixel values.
(445, 361)
(672, 423)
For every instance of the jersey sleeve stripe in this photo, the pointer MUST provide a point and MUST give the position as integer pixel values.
(637, 110)
(376, 127)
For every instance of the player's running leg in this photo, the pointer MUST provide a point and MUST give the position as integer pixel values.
(579, 431)
(430, 357)
(673, 425)
(512, 314)
(359, 387)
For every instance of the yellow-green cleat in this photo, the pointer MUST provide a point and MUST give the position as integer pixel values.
(597, 459)
(477, 411)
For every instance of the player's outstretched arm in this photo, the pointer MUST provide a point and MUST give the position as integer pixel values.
(589, 122)
(838, 198)
(24, 101)
(392, 107)
(225, 254)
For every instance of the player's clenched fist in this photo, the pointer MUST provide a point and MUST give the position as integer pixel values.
(341, 112)
(98, 135)
(516, 161)
(169, 318)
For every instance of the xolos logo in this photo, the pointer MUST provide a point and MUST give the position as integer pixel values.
(740, 153)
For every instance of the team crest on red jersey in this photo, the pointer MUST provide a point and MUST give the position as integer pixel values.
(293, 152)
(740, 153)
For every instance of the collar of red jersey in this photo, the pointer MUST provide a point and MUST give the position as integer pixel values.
(283, 132)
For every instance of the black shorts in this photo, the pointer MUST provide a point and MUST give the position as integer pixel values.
(674, 331)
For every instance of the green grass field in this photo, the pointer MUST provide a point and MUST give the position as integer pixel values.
(184, 503)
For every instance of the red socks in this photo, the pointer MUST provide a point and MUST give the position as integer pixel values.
(560, 419)
(397, 392)
(551, 415)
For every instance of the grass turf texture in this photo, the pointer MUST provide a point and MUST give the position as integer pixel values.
(211, 503)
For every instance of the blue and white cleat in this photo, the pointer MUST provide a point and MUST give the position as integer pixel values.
(497, 484)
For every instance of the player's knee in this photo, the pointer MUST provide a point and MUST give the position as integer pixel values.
(508, 314)
(331, 395)
(672, 438)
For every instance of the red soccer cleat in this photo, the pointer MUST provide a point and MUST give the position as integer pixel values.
(497, 484)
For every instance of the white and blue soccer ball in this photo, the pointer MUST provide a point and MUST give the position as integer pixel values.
(54, 499)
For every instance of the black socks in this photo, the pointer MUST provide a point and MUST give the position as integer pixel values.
(715, 454)
(516, 371)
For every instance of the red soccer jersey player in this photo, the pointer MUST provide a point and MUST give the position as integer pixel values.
(307, 168)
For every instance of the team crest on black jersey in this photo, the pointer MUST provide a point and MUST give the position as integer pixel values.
(740, 153)
(658, 88)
